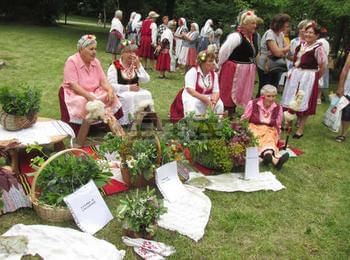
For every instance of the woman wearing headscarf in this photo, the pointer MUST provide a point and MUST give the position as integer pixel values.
(83, 81)
(148, 39)
(188, 54)
(166, 50)
(310, 61)
(128, 26)
(206, 35)
(125, 76)
(136, 27)
(162, 28)
(116, 34)
(201, 90)
(236, 60)
(178, 36)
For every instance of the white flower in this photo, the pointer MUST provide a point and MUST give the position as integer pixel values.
(131, 162)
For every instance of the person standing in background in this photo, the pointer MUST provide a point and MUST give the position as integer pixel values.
(148, 39)
(116, 34)
(324, 81)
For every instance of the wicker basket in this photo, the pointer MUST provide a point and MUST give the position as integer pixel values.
(14, 123)
(140, 181)
(44, 211)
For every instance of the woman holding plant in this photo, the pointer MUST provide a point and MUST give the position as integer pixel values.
(201, 90)
(265, 119)
(309, 65)
(125, 76)
(84, 80)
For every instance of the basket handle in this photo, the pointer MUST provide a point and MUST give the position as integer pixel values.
(159, 149)
(42, 167)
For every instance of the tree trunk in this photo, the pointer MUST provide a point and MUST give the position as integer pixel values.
(339, 35)
(65, 17)
(104, 16)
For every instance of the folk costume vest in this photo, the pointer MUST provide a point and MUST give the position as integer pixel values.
(255, 117)
(121, 79)
(245, 52)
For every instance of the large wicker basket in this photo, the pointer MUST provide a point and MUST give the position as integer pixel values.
(44, 211)
(14, 123)
(140, 181)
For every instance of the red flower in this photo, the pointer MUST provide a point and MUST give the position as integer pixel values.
(249, 13)
(118, 65)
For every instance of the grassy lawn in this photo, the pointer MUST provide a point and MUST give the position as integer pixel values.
(308, 219)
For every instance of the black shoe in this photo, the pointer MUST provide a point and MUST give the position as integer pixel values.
(267, 159)
(284, 158)
(296, 136)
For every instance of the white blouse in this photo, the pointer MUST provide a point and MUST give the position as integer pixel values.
(203, 81)
(117, 25)
(231, 43)
(112, 76)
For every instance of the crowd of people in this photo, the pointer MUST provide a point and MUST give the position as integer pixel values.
(217, 76)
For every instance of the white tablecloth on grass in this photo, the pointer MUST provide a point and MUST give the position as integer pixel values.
(56, 243)
(231, 182)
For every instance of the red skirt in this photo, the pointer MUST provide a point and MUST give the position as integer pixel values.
(163, 61)
(146, 50)
(192, 57)
(227, 73)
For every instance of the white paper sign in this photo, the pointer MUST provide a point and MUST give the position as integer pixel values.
(168, 182)
(251, 163)
(89, 210)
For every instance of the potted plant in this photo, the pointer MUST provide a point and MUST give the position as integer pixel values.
(139, 213)
(19, 107)
(139, 155)
(214, 142)
(60, 175)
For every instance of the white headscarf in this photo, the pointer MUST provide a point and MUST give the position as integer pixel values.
(132, 15)
(135, 22)
(207, 28)
(196, 26)
(180, 28)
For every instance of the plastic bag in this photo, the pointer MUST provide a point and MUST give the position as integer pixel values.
(332, 117)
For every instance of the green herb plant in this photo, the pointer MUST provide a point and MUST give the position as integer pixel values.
(141, 211)
(20, 101)
(65, 174)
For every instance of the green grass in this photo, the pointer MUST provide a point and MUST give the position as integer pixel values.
(308, 219)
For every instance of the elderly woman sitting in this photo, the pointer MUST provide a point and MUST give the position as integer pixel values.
(84, 80)
(201, 90)
(265, 119)
(125, 76)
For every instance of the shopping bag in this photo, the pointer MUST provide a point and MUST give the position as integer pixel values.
(88, 208)
(332, 117)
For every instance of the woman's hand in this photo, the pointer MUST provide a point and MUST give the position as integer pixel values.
(136, 61)
(134, 87)
(110, 96)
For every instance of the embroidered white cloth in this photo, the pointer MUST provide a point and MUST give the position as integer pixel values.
(53, 243)
(41, 132)
(231, 182)
(149, 249)
(188, 215)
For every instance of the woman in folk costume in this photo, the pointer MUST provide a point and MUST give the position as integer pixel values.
(148, 39)
(84, 80)
(116, 34)
(136, 27)
(166, 50)
(265, 119)
(201, 90)
(129, 25)
(188, 52)
(162, 28)
(310, 60)
(178, 37)
(236, 60)
(125, 76)
(206, 36)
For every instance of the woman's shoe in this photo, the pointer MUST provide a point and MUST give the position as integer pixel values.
(284, 158)
(340, 138)
(267, 159)
(296, 136)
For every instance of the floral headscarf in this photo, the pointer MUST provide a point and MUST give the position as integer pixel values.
(85, 41)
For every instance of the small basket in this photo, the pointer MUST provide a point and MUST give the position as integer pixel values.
(48, 212)
(140, 181)
(14, 123)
